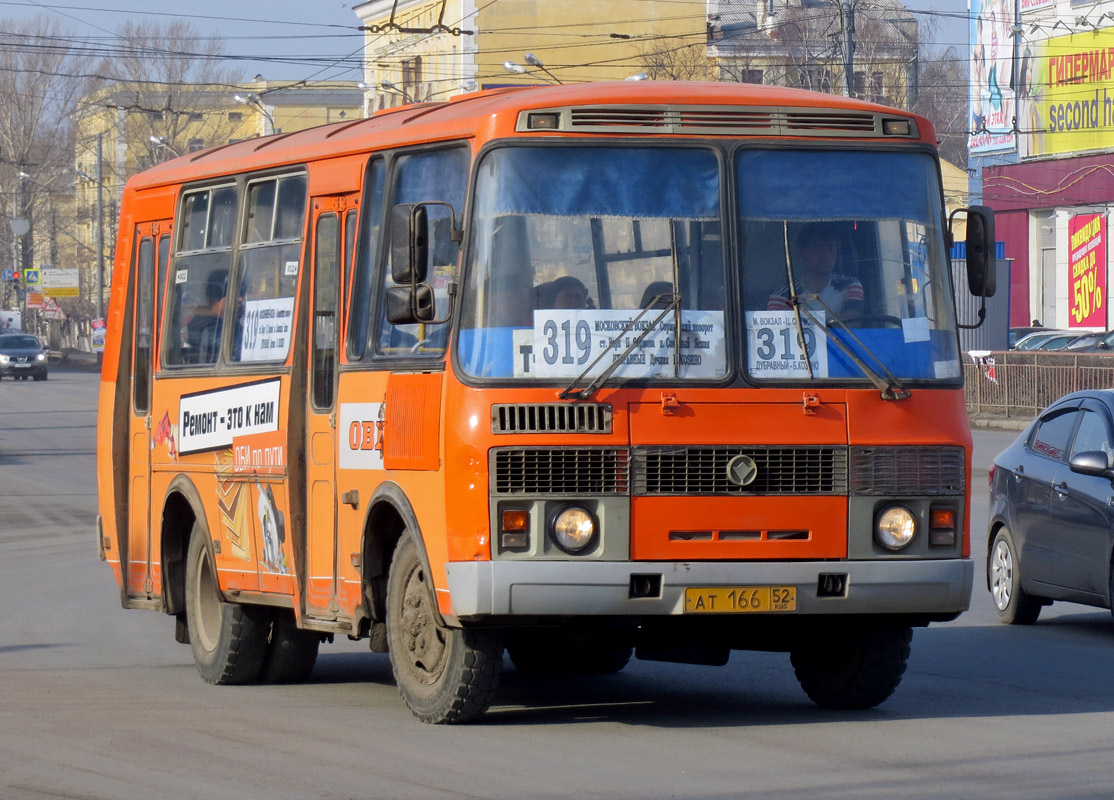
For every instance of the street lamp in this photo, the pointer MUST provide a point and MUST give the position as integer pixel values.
(252, 99)
(392, 87)
(533, 61)
(161, 141)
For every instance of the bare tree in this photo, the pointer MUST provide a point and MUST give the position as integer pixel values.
(675, 59)
(172, 82)
(942, 97)
(42, 75)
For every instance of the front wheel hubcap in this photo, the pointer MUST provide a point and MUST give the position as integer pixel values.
(1002, 575)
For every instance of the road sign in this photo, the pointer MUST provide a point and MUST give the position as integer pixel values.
(31, 277)
(8, 275)
(51, 310)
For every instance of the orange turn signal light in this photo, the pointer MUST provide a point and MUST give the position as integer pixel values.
(514, 519)
(942, 518)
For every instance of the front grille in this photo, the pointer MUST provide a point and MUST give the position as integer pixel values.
(703, 470)
(560, 471)
(551, 418)
(916, 471)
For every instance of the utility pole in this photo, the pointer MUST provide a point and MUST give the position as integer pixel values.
(100, 228)
(847, 19)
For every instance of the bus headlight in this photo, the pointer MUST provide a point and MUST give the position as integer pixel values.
(573, 529)
(895, 528)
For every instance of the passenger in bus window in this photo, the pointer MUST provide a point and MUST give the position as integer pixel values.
(657, 295)
(815, 254)
(564, 292)
(510, 304)
(204, 328)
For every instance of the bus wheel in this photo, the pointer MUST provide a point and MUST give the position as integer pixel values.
(852, 667)
(445, 675)
(568, 659)
(228, 640)
(291, 652)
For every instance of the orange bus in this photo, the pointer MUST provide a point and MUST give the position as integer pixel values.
(569, 373)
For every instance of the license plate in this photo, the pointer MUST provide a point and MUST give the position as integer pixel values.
(739, 599)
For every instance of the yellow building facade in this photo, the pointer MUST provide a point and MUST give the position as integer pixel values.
(422, 50)
(125, 128)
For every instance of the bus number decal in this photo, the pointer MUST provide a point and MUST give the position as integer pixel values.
(361, 436)
(774, 346)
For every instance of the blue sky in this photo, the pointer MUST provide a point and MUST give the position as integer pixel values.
(294, 38)
(305, 39)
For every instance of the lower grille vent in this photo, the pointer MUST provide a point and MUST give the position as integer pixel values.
(917, 471)
(563, 471)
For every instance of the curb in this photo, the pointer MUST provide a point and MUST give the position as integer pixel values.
(988, 423)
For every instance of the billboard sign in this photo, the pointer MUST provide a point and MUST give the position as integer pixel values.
(1066, 93)
(1087, 298)
(992, 105)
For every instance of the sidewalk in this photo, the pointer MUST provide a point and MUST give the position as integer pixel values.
(76, 359)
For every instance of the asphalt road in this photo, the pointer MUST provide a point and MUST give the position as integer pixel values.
(101, 703)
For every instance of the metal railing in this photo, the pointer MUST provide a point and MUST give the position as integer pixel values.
(1012, 384)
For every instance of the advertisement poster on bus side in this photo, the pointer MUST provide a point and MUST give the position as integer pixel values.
(1087, 298)
(214, 420)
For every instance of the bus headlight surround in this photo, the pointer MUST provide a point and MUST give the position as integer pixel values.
(573, 528)
(895, 527)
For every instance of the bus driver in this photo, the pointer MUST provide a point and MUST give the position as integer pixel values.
(816, 284)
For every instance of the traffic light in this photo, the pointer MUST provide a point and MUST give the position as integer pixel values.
(17, 276)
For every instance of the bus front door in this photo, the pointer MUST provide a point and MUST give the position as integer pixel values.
(321, 586)
(142, 584)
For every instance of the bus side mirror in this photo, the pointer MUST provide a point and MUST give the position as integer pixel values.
(408, 304)
(981, 271)
(409, 242)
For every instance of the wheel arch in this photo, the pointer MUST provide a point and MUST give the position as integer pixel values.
(390, 515)
(182, 507)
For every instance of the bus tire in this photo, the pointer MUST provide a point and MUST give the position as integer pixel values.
(228, 640)
(852, 667)
(568, 659)
(291, 652)
(445, 675)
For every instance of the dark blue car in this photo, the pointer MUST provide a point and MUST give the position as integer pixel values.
(1051, 531)
(22, 356)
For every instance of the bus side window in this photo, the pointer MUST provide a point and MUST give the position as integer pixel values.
(419, 177)
(269, 265)
(363, 278)
(144, 276)
(198, 277)
(326, 248)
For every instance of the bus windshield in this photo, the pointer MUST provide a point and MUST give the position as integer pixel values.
(578, 251)
(586, 261)
(843, 252)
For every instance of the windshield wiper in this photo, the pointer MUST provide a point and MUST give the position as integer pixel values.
(890, 387)
(598, 381)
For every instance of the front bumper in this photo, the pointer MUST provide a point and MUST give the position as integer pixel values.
(12, 369)
(934, 588)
